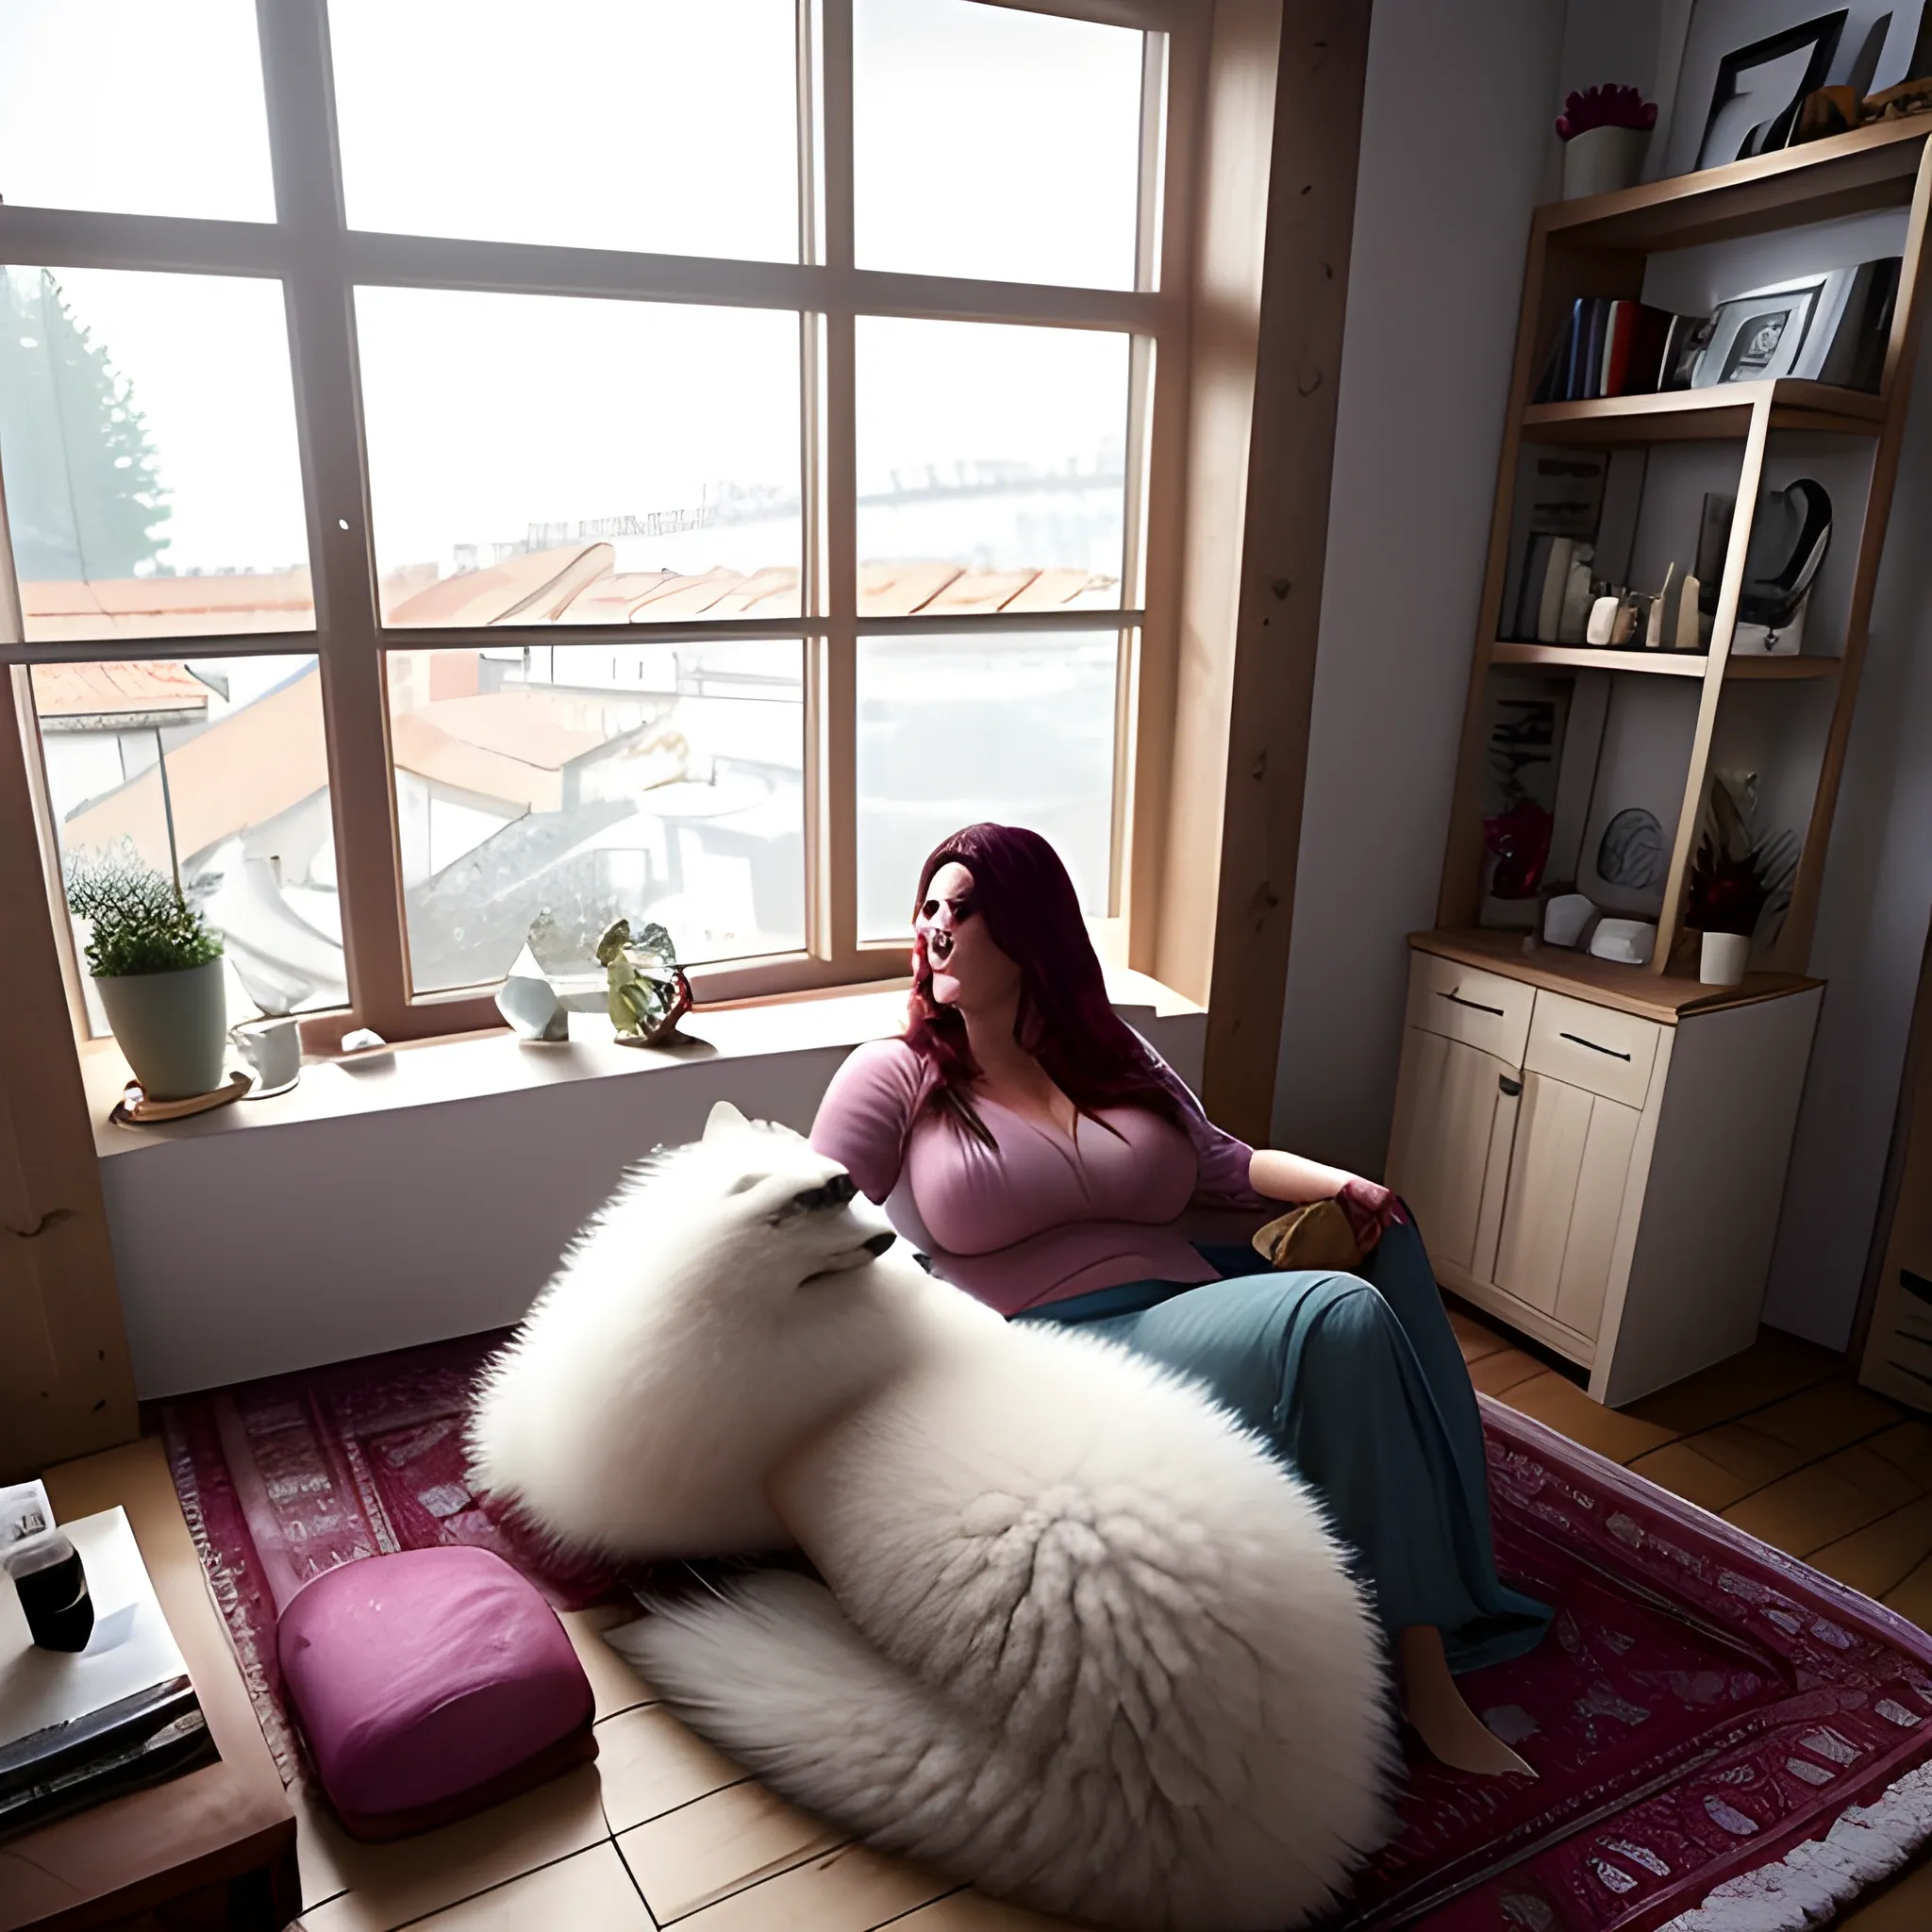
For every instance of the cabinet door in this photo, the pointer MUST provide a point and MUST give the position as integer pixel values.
(1446, 1116)
(1566, 1193)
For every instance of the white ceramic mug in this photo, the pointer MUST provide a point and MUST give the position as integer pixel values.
(1722, 956)
(273, 1047)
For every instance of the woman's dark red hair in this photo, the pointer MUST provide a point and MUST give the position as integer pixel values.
(1065, 1021)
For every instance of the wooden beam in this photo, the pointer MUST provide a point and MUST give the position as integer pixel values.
(65, 1384)
(1310, 225)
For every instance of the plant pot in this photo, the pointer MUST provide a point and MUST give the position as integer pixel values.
(1600, 160)
(173, 1028)
(1722, 958)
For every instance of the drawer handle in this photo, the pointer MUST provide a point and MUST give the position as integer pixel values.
(1475, 1005)
(1512, 1088)
(1578, 1038)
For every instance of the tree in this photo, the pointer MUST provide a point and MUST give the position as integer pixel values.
(83, 497)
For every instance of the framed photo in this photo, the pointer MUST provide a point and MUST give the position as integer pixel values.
(1876, 48)
(1758, 336)
(1759, 89)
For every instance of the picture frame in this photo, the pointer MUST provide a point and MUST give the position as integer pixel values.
(1761, 334)
(1787, 328)
(1758, 90)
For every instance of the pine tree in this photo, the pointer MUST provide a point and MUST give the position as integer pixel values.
(83, 497)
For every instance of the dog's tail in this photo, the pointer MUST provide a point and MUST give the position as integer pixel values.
(772, 1672)
(769, 1669)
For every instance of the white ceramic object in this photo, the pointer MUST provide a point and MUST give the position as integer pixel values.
(1600, 160)
(1761, 641)
(1565, 917)
(1625, 940)
(1722, 958)
(274, 1048)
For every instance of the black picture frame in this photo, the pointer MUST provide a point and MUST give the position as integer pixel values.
(1773, 130)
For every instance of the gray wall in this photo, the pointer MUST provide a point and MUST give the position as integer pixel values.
(1456, 145)
(1457, 149)
(1871, 924)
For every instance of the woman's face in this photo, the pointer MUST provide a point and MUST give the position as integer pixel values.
(968, 970)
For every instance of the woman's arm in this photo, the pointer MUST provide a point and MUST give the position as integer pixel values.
(868, 1112)
(1370, 1207)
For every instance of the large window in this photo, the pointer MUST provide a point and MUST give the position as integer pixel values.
(705, 452)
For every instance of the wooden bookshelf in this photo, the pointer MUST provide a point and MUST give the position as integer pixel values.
(1658, 663)
(1723, 412)
(1601, 247)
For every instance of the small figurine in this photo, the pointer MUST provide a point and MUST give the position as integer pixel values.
(648, 992)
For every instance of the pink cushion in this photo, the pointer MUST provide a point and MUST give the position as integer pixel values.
(430, 1684)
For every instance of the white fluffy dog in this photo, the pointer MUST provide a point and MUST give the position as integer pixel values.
(1086, 1644)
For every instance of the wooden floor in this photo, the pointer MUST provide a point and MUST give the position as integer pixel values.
(664, 1830)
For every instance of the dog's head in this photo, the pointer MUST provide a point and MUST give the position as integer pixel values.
(791, 1213)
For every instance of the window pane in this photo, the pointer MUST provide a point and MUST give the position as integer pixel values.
(547, 459)
(995, 451)
(218, 766)
(995, 144)
(583, 782)
(147, 434)
(652, 124)
(955, 730)
(134, 108)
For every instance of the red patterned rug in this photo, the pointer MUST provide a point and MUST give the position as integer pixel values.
(1727, 1741)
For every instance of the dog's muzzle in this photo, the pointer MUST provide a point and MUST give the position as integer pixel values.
(876, 1244)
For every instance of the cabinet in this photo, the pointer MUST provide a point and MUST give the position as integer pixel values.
(1605, 1182)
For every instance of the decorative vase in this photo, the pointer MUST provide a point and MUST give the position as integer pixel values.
(173, 1028)
(1722, 958)
(1600, 160)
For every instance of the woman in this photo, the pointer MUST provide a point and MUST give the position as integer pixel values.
(1026, 1141)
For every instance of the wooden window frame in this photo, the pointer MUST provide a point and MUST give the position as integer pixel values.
(320, 260)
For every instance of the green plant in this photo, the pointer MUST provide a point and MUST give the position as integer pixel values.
(1738, 873)
(140, 920)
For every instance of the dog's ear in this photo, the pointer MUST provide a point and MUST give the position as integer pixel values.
(725, 1118)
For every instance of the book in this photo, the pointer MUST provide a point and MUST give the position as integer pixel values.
(78, 1729)
(1648, 335)
(1620, 332)
(1529, 591)
(1555, 580)
(1590, 365)
(1556, 370)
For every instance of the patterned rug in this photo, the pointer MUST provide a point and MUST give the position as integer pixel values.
(1708, 1716)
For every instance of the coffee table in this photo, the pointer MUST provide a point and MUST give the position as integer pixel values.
(218, 1844)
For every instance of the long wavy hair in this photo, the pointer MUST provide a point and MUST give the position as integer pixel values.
(1065, 1020)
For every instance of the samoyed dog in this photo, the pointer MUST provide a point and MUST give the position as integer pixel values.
(1081, 1640)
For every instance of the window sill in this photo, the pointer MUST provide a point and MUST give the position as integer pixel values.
(476, 1066)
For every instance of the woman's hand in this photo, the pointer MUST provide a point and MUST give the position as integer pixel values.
(1370, 1207)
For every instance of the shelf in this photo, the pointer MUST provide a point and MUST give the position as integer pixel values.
(1701, 415)
(1658, 663)
(1662, 996)
(1848, 174)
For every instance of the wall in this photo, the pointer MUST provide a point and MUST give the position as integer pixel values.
(1871, 926)
(1455, 150)
(430, 1195)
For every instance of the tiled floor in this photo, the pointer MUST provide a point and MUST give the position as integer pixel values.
(664, 1830)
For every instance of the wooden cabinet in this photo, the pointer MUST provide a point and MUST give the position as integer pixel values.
(1605, 1180)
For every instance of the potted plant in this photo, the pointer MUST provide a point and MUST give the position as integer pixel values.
(1603, 130)
(1734, 877)
(159, 968)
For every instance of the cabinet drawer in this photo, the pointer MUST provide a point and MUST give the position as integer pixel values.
(1482, 1009)
(1593, 1048)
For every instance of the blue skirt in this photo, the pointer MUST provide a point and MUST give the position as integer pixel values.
(1358, 1384)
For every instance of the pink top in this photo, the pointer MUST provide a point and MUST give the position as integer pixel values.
(1047, 1214)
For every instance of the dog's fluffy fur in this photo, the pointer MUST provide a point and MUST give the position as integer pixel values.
(1086, 1644)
